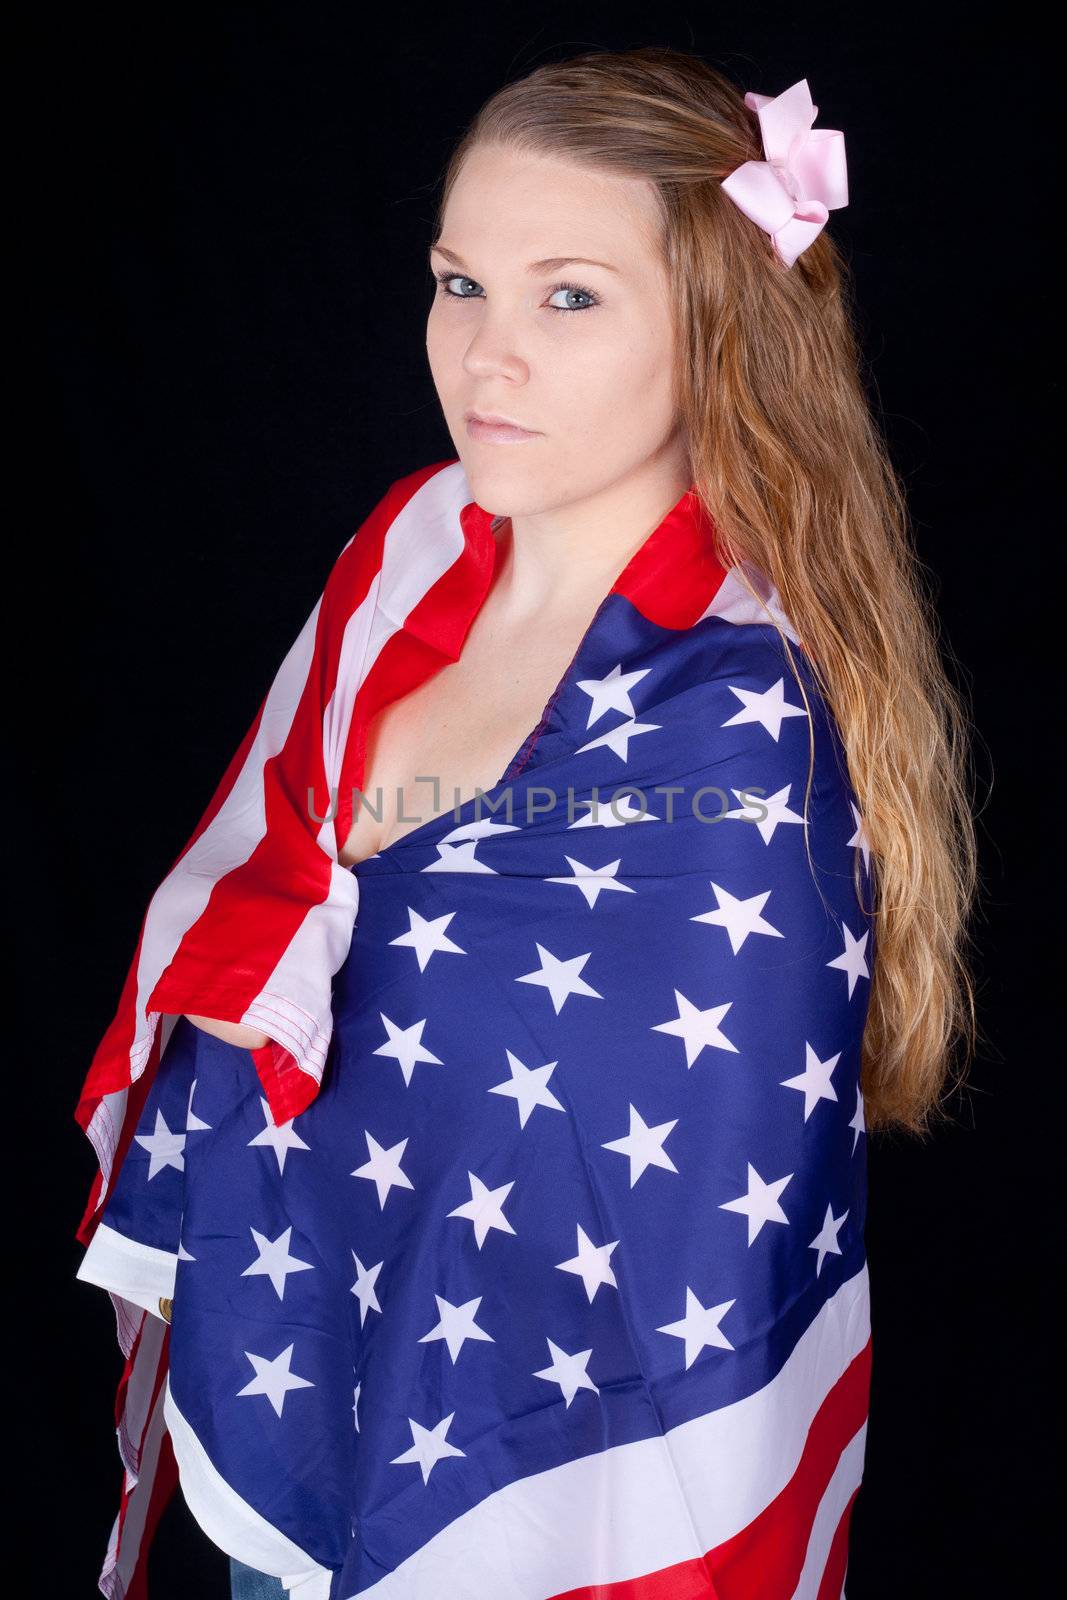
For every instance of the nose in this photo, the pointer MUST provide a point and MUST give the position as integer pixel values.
(494, 348)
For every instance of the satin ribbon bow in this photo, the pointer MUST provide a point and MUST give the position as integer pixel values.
(791, 194)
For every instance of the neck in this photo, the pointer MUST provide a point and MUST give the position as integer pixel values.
(564, 558)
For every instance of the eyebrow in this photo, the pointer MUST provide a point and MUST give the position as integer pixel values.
(549, 264)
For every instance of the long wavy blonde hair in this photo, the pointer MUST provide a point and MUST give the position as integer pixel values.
(790, 465)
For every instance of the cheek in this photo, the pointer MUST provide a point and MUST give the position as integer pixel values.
(443, 350)
(610, 388)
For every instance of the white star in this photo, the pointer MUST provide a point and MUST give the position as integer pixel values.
(769, 708)
(851, 959)
(617, 739)
(760, 1204)
(825, 1241)
(484, 1208)
(458, 858)
(355, 1405)
(775, 806)
(430, 1446)
(406, 1046)
(611, 693)
(699, 1029)
(560, 977)
(591, 1264)
(274, 1261)
(592, 881)
(193, 1123)
(164, 1147)
(618, 811)
(739, 917)
(814, 1082)
(858, 1124)
(528, 1086)
(456, 1324)
(183, 1254)
(699, 1326)
(383, 1168)
(426, 938)
(282, 1137)
(365, 1287)
(485, 827)
(273, 1378)
(644, 1145)
(568, 1371)
(859, 838)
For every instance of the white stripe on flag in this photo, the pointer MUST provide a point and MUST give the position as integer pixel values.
(839, 1491)
(138, 1272)
(666, 1500)
(227, 841)
(230, 1521)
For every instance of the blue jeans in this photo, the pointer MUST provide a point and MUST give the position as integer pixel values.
(248, 1584)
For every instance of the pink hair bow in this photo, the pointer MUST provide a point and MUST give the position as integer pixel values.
(791, 194)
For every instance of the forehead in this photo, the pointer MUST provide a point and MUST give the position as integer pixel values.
(510, 208)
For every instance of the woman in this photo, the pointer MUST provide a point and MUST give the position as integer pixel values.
(504, 1175)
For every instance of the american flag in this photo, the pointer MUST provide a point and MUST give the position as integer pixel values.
(527, 1259)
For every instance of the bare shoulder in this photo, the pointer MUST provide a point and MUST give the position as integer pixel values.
(231, 1032)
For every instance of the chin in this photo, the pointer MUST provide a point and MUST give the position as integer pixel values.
(506, 488)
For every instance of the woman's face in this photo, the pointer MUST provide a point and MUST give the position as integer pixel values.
(588, 369)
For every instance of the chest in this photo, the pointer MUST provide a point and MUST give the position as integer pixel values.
(461, 727)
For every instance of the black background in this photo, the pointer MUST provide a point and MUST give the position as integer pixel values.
(227, 217)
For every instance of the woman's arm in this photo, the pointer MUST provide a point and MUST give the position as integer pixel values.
(231, 1032)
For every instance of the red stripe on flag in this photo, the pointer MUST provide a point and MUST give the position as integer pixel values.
(110, 1067)
(135, 1099)
(159, 1484)
(833, 1578)
(208, 960)
(164, 1483)
(432, 636)
(125, 1576)
(688, 1580)
(675, 574)
(192, 980)
(764, 1560)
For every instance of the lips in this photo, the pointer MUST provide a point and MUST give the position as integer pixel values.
(495, 431)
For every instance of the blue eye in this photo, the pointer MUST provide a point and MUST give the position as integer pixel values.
(445, 278)
(574, 288)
